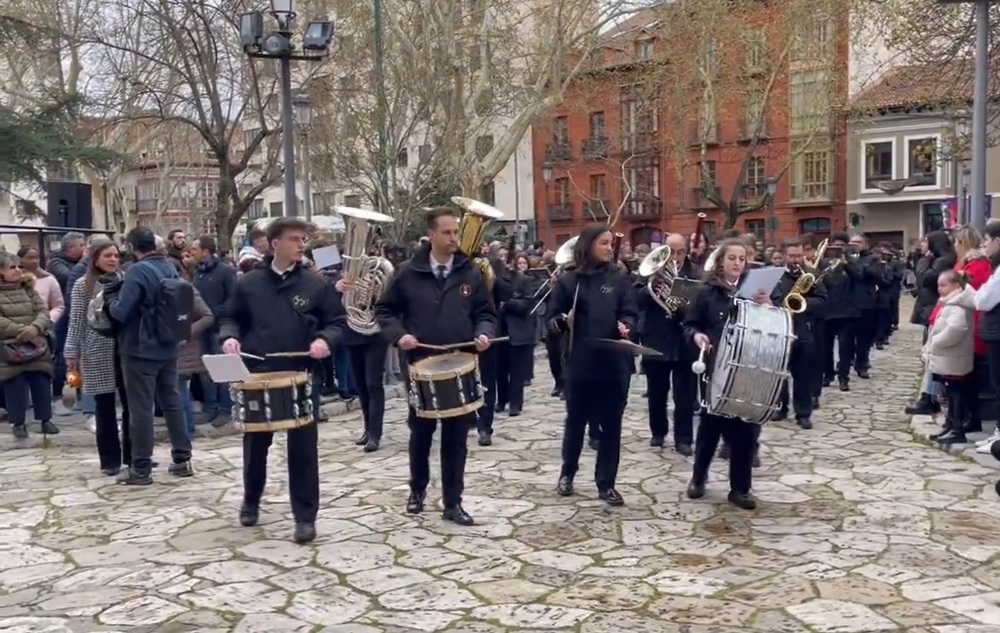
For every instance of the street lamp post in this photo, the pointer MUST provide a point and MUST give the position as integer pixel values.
(966, 172)
(772, 188)
(303, 117)
(278, 45)
(546, 179)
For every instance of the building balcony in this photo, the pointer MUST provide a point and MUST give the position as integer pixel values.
(597, 209)
(699, 197)
(643, 208)
(749, 129)
(639, 143)
(704, 134)
(595, 148)
(559, 151)
(753, 194)
(811, 194)
(561, 212)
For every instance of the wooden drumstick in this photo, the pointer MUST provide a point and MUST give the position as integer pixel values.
(288, 355)
(454, 346)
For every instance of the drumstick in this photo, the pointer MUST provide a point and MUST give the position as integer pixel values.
(446, 348)
(288, 355)
(251, 356)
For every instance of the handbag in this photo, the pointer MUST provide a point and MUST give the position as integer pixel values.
(21, 352)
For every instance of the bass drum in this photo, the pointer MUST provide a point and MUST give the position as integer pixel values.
(751, 363)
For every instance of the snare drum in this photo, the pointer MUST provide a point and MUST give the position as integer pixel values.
(273, 401)
(446, 386)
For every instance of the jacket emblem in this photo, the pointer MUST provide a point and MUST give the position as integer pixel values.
(465, 290)
(299, 302)
(606, 289)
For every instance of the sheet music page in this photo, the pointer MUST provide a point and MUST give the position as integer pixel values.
(226, 368)
(760, 279)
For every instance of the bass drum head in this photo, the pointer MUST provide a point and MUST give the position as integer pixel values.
(445, 365)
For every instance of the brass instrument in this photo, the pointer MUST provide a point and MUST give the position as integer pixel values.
(563, 258)
(616, 247)
(368, 276)
(710, 260)
(699, 232)
(476, 217)
(818, 258)
(661, 270)
(795, 300)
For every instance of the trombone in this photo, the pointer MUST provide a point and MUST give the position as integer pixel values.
(563, 258)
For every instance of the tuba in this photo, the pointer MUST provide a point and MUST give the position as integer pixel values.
(661, 270)
(475, 217)
(369, 276)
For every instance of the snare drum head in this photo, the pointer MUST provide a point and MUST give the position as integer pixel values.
(445, 364)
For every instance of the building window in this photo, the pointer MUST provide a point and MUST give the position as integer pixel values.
(207, 193)
(256, 209)
(879, 162)
(484, 145)
(275, 210)
(755, 116)
(756, 171)
(644, 49)
(710, 229)
(638, 117)
(560, 132)
(562, 191)
(707, 174)
(813, 39)
(811, 172)
(922, 160)
(249, 136)
(809, 101)
(599, 187)
(816, 226)
(488, 193)
(708, 56)
(597, 129)
(708, 125)
(756, 50)
(757, 228)
(424, 154)
(323, 202)
(403, 158)
(352, 200)
(644, 181)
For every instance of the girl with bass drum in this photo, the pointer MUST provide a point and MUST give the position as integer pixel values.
(706, 318)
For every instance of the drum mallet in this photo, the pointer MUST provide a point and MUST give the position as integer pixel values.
(698, 366)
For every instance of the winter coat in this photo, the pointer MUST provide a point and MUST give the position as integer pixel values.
(976, 267)
(47, 287)
(928, 269)
(189, 361)
(93, 352)
(950, 340)
(21, 307)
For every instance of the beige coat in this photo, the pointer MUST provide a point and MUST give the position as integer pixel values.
(951, 340)
(21, 307)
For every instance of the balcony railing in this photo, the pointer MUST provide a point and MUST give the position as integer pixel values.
(643, 208)
(559, 151)
(752, 128)
(561, 212)
(638, 142)
(596, 209)
(707, 134)
(753, 193)
(811, 193)
(699, 197)
(595, 147)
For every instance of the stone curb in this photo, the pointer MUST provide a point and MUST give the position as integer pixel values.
(923, 426)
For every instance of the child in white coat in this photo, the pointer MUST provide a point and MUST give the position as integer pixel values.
(949, 352)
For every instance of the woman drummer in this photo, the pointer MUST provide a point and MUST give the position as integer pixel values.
(703, 325)
(602, 303)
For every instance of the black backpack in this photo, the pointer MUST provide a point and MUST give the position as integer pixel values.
(173, 311)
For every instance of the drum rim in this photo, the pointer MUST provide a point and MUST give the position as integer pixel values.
(445, 414)
(274, 380)
(276, 425)
(446, 374)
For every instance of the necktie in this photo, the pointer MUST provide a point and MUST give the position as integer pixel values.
(440, 276)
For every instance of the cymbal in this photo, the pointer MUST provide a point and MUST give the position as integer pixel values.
(625, 346)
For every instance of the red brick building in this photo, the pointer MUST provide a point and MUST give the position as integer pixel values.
(663, 158)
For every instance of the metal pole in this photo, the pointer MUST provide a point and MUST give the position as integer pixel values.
(107, 205)
(979, 107)
(306, 175)
(382, 162)
(288, 138)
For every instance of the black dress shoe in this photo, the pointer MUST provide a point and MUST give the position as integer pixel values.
(457, 515)
(779, 415)
(48, 428)
(249, 515)
(827, 382)
(755, 463)
(132, 477)
(499, 408)
(945, 430)
(879, 345)
(592, 443)
(372, 445)
(815, 403)
(361, 441)
(556, 392)
(804, 423)
(485, 439)
(514, 412)
(863, 374)
(724, 451)
(20, 431)
(656, 441)
(695, 489)
(181, 469)
(844, 385)
(565, 486)
(111, 472)
(611, 497)
(952, 437)
(684, 449)
(645, 394)
(304, 532)
(415, 504)
(742, 500)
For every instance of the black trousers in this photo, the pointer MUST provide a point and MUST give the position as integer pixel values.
(454, 434)
(865, 330)
(740, 436)
(962, 395)
(894, 310)
(602, 404)
(489, 364)
(303, 470)
(819, 348)
(883, 324)
(658, 379)
(553, 349)
(839, 335)
(993, 362)
(800, 366)
(113, 451)
(516, 364)
(367, 366)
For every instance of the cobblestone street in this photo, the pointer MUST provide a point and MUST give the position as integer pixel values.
(860, 528)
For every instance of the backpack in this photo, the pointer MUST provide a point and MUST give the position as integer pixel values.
(173, 311)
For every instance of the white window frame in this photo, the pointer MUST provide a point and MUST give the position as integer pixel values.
(864, 161)
(938, 164)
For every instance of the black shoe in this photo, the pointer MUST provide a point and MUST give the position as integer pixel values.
(804, 423)
(952, 437)
(514, 412)
(415, 504)
(755, 463)
(684, 449)
(556, 393)
(974, 426)
(110, 472)
(844, 385)
(656, 441)
(361, 441)
(724, 452)
(863, 374)
(879, 345)
(945, 430)
(592, 443)
(611, 497)
(742, 500)
(827, 382)
(132, 477)
(565, 486)
(815, 403)
(372, 445)
(249, 515)
(457, 515)
(485, 438)
(304, 532)
(778, 416)
(221, 421)
(20, 431)
(562, 396)
(926, 405)
(695, 489)
(181, 469)
(48, 428)
(645, 394)
(499, 408)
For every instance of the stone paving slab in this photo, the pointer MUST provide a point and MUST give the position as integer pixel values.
(860, 528)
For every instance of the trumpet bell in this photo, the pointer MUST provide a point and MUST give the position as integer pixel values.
(564, 255)
(477, 207)
(363, 214)
(654, 261)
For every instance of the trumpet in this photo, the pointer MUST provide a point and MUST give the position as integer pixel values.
(795, 300)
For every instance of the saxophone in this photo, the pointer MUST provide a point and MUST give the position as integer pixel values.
(795, 300)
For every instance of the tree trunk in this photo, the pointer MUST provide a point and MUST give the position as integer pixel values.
(223, 202)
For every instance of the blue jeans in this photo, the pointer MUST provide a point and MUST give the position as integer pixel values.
(217, 399)
(187, 406)
(34, 384)
(87, 404)
(342, 369)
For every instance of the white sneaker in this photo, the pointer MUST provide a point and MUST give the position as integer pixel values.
(92, 423)
(990, 439)
(58, 408)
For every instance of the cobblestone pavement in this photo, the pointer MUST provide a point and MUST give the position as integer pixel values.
(860, 528)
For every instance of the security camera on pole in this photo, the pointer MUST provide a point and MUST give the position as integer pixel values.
(278, 45)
